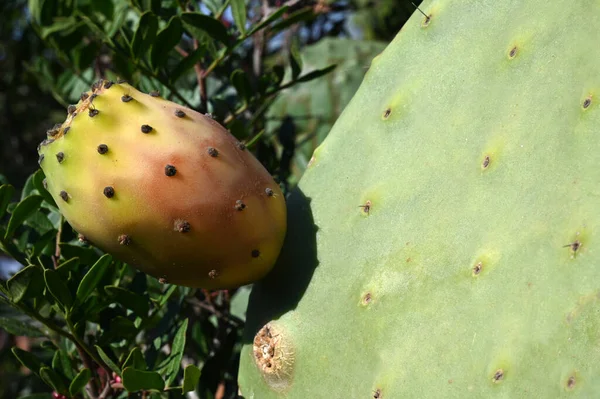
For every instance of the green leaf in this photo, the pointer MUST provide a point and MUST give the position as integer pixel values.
(85, 255)
(239, 302)
(268, 20)
(316, 74)
(166, 39)
(191, 377)
(35, 9)
(118, 19)
(19, 328)
(39, 222)
(65, 267)
(145, 34)
(153, 5)
(53, 379)
(79, 382)
(137, 380)
(305, 78)
(28, 360)
(22, 211)
(295, 60)
(10, 249)
(62, 25)
(187, 63)
(215, 6)
(304, 14)
(26, 283)
(240, 81)
(135, 360)
(58, 289)
(41, 243)
(195, 21)
(62, 364)
(172, 368)
(238, 9)
(120, 328)
(28, 188)
(109, 362)
(92, 278)
(165, 297)
(38, 183)
(129, 300)
(6, 193)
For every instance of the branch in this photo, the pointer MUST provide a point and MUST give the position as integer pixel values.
(201, 82)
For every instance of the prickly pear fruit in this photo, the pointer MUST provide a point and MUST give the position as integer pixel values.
(457, 200)
(164, 188)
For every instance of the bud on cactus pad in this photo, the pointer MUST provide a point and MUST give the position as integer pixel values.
(457, 200)
(160, 186)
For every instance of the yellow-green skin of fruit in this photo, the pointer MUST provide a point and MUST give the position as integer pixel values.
(217, 222)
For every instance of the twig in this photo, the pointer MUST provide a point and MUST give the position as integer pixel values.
(211, 308)
(107, 390)
(182, 51)
(254, 139)
(259, 44)
(92, 384)
(201, 82)
(56, 256)
(84, 347)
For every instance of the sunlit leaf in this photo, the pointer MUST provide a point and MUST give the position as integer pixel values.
(26, 283)
(19, 328)
(238, 9)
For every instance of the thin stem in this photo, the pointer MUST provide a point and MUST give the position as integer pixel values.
(237, 112)
(201, 82)
(83, 346)
(56, 256)
(93, 383)
(222, 10)
(254, 139)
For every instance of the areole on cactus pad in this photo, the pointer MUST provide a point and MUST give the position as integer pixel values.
(164, 188)
(444, 242)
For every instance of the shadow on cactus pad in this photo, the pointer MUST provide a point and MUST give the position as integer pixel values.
(284, 286)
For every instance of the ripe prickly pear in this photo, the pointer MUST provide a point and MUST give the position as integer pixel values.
(164, 188)
(457, 200)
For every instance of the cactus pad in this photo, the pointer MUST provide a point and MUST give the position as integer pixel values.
(456, 200)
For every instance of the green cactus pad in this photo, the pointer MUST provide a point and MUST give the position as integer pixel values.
(317, 104)
(456, 204)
